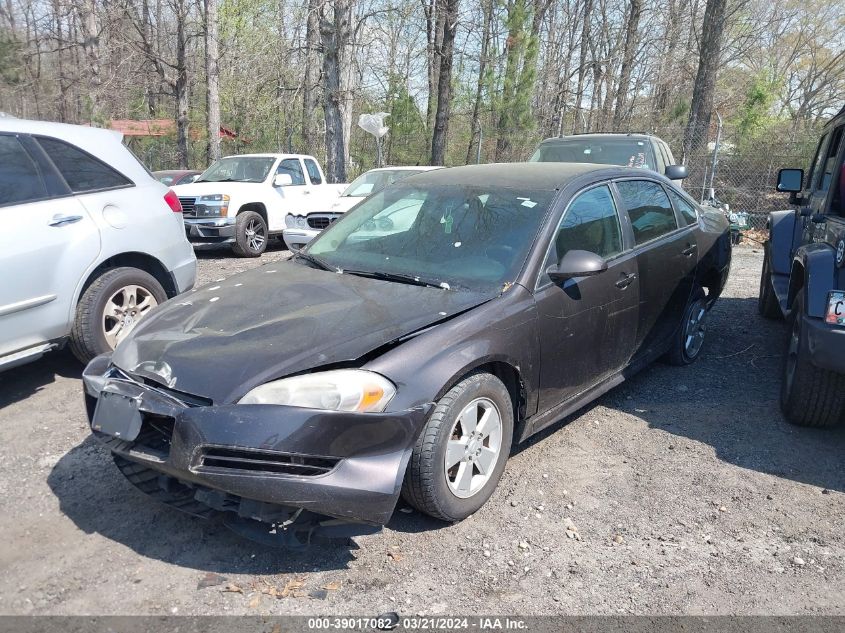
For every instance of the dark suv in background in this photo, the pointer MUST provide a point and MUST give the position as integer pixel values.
(628, 150)
(803, 280)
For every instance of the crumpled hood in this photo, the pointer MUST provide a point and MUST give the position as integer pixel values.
(222, 340)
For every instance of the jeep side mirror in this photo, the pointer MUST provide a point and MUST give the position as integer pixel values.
(676, 172)
(282, 180)
(790, 180)
(577, 264)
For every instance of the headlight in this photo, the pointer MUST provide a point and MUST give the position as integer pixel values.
(336, 390)
(214, 205)
(301, 222)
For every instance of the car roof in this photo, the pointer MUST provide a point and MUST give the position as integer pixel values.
(175, 172)
(406, 168)
(268, 155)
(520, 175)
(104, 144)
(599, 137)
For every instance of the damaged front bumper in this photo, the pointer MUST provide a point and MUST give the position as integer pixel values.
(261, 461)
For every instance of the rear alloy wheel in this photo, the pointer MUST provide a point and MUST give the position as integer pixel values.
(686, 347)
(250, 234)
(767, 302)
(110, 308)
(462, 451)
(809, 396)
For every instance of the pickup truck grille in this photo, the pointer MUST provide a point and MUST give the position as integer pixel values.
(321, 220)
(188, 205)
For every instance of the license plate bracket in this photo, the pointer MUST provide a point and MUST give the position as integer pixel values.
(117, 415)
(835, 314)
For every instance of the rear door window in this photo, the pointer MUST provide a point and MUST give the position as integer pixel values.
(685, 208)
(82, 172)
(830, 164)
(20, 177)
(649, 209)
(313, 172)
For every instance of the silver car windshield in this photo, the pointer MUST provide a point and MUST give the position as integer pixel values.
(464, 236)
(372, 181)
(238, 169)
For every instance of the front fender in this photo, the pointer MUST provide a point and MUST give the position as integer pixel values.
(819, 264)
(782, 227)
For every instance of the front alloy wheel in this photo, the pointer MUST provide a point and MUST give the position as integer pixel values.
(123, 311)
(462, 450)
(474, 447)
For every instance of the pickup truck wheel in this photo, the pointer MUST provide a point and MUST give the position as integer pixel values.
(809, 396)
(250, 234)
(110, 308)
(688, 340)
(462, 450)
(767, 301)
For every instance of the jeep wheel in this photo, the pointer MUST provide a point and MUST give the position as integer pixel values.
(809, 396)
(250, 234)
(110, 308)
(462, 450)
(767, 301)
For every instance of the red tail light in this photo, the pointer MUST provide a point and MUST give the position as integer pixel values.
(172, 201)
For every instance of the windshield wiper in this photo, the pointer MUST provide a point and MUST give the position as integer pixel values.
(317, 261)
(221, 180)
(414, 280)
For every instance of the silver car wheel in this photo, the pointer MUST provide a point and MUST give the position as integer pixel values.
(472, 452)
(123, 310)
(694, 329)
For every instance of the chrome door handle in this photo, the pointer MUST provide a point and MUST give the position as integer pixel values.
(626, 280)
(689, 250)
(62, 220)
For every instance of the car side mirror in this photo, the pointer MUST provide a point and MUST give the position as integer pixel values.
(790, 180)
(282, 180)
(676, 172)
(577, 264)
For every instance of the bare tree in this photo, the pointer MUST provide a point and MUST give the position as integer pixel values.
(632, 24)
(444, 81)
(336, 35)
(212, 81)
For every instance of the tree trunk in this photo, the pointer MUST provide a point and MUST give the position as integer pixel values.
(335, 34)
(475, 136)
(630, 51)
(311, 75)
(212, 78)
(91, 45)
(582, 65)
(180, 86)
(434, 24)
(701, 108)
(444, 83)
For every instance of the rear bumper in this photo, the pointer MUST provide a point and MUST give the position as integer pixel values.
(823, 344)
(297, 238)
(185, 275)
(344, 465)
(214, 230)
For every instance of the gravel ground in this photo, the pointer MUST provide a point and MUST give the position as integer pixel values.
(688, 491)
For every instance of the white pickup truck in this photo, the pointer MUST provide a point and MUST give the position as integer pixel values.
(244, 200)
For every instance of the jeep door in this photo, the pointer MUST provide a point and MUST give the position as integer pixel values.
(666, 256)
(587, 325)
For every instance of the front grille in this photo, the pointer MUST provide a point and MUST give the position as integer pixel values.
(188, 205)
(259, 461)
(321, 221)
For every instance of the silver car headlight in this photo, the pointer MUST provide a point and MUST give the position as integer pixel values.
(301, 222)
(354, 390)
(290, 221)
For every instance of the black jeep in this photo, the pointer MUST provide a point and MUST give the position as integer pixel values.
(803, 279)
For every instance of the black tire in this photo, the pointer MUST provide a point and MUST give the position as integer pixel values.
(809, 396)
(87, 338)
(251, 234)
(425, 486)
(767, 301)
(680, 353)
